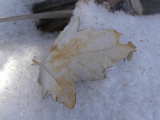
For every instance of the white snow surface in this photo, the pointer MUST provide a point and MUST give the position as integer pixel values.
(130, 91)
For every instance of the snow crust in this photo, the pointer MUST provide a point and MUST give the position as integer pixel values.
(130, 91)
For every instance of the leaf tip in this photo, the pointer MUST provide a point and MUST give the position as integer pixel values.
(35, 62)
(72, 105)
(131, 44)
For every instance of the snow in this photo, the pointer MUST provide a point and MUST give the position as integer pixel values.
(130, 91)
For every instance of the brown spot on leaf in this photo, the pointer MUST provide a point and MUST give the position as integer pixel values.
(53, 48)
(59, 67)
(62, 81)
(65, 50)
(118, 35)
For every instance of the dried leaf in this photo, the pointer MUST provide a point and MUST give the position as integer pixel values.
(78, 56)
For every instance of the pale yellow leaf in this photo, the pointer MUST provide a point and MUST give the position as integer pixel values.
(78, 56)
